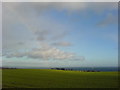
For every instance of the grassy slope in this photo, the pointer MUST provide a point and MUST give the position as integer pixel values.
(58, 79)
(0, 78)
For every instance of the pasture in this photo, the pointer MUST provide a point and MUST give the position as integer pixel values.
(46, 78)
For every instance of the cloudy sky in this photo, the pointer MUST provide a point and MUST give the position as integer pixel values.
(43, 34)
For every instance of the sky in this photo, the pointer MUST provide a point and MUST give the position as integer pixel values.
(59, 34)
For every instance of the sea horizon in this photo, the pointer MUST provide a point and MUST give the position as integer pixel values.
(73, 68)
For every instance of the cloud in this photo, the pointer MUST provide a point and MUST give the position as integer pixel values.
(113, 37)
(0, 34)
(108, 20)
(46, 53)
(20, 43)
(60, 1)
(63, 44)
(25, 21)
(70, 6)
(19, 20)
(42, 34)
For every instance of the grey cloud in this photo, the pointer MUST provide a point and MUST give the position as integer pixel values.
(63, 44)
(112, 36)
(0, 33)
(102, 6)
(69, 6)
(59, 36)
(23, 12)
(26, 14)
(42, 35)
(44, 30)
(110, 19)
(39, 7)
(20, 43)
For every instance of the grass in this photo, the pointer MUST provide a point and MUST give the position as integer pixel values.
(45, 78)
(0, 78)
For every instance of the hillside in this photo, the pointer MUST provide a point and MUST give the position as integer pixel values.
(45, 78)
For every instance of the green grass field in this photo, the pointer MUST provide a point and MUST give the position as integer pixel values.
(45, 78)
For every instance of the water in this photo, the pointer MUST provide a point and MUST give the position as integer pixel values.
(93, 68)
(104, 69)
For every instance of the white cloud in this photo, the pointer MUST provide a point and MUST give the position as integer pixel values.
(39, 28)
(47, 53)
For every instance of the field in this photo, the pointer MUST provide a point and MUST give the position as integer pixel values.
(45, 78)
(0, 78)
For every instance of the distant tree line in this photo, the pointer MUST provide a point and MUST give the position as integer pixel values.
(62, 69)
(7, 68)
(74, 70)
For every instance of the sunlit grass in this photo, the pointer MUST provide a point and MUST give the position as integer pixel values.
(45, 78)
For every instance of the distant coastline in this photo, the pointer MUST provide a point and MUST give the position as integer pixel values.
(91, 69)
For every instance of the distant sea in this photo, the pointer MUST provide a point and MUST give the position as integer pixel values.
(104, 69)
(94, 68)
